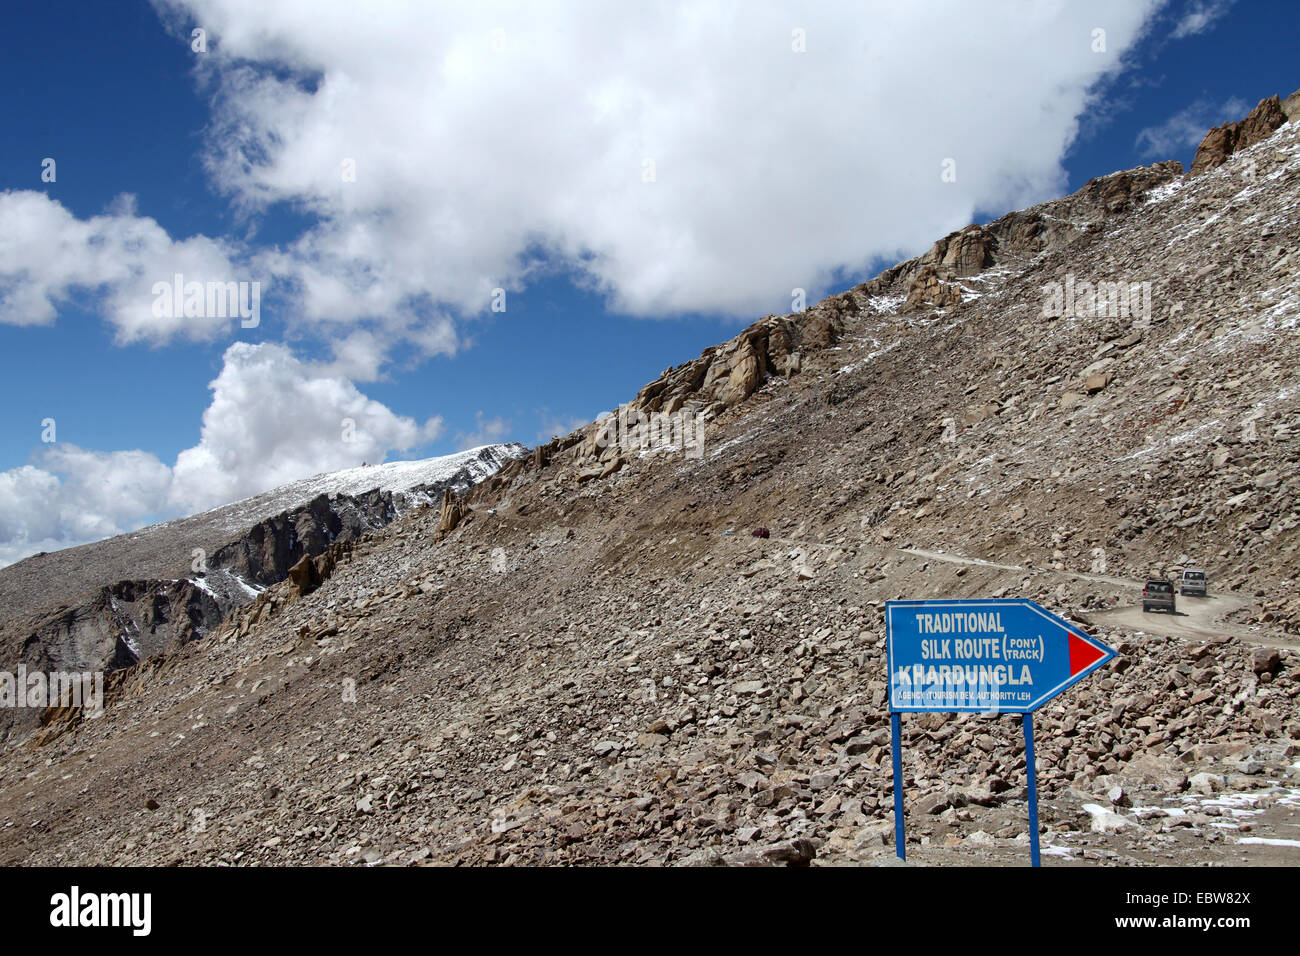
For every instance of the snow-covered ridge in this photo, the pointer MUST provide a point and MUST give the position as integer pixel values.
(394, 476)
(398, 477)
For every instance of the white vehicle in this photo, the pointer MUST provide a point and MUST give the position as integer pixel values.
(1192, 583)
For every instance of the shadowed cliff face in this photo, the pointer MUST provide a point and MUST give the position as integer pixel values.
(115, 628)
(120, 625)
(263, 556)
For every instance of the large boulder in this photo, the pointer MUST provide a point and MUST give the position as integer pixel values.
(305, 575)
(1291, 106)
(818, 332)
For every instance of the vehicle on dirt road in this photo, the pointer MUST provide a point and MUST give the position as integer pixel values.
(1192, 583)
(1158, 595)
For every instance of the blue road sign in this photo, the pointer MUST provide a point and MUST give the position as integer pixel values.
(996, 656)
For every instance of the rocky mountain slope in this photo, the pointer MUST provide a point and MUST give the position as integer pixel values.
(587, 657)
(110, 604)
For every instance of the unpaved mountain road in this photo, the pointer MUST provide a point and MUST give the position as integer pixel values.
(1196, 619)
(980, 562)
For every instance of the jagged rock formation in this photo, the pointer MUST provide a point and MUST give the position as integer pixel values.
(166, 551)
(928, 288)
(722, 377)
(264, 554)
(307, 575)
(450, 513)
(933, 280)
(726, 375)
(1222, 141)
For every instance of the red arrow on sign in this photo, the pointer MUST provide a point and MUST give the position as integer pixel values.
(1083, 654)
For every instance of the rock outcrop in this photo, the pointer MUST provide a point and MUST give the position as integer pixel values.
(930, 290)
(1222, 141)
(967, 252)
(724, 376)
(452, 512)
(265, 553)
(115, 628)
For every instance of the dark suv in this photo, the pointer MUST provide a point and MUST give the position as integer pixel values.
(1158, 595)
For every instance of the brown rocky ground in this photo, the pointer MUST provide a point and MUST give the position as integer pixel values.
(596, 662)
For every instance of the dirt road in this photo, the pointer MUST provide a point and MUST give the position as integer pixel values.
(1196, 619)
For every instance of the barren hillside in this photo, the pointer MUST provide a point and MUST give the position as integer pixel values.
(589, 658)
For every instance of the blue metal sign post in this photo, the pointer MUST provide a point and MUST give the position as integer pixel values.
(972, 656)
(1028, 721)
(896, 736)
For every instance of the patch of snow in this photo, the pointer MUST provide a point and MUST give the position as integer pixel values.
(887, 304)
(1078, 226)
(401, 478)
(393, 476)
(1105, 821)
(202, 586)
(1161, 193)
(1269, 841)
(1172, 440)
(249, 589)
(714, 453)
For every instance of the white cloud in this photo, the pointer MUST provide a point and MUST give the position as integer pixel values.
(106, 489)
(485, 134)
(492, 140)
(74, 496)
(359, 357)
(272, 419)
(1186, 128)
(1200, 16)
(47, 255)
(487, 431)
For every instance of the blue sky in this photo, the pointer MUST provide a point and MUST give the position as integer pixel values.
(791, 145)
